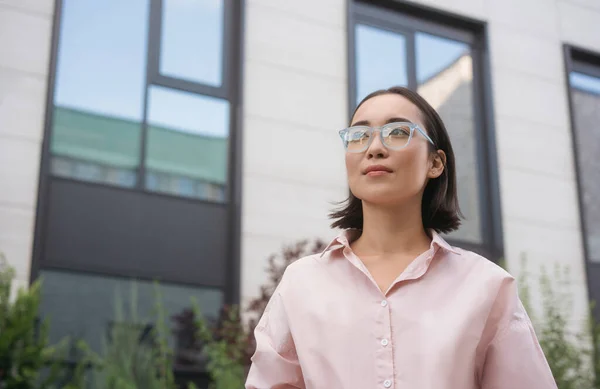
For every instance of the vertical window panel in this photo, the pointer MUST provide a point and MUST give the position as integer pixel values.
(380, 60)
(585, 98)
(192, 40)
(187, 149)
(99, 92)
(445, 80)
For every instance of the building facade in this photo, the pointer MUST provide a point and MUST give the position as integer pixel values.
(187, 140)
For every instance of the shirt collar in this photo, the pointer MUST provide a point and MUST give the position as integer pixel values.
(347, 236)
(438, 241)
(342, 240)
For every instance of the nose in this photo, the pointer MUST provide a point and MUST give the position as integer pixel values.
(376, 148)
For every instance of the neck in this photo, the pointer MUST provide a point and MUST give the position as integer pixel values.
(393, 230)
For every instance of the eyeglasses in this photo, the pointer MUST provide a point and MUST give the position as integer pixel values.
(394, 136)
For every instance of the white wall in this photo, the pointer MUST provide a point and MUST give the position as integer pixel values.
(25, 37)
(294, 101)
(295, 85)
(537, 172)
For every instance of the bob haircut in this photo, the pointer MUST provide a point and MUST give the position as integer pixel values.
(440, 210)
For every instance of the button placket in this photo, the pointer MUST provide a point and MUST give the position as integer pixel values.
(384, 354)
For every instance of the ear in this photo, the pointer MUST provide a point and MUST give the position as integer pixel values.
(438, 163)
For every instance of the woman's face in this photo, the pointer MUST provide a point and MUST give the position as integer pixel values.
(408, 169)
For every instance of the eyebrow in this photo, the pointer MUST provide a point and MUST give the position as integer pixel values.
(390, 120)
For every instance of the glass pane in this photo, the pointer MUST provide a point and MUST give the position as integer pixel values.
(89, 313)
(585, 83)
(585, 93)
(187, 149)
(99, 95)
(380, 60)
(192, 40)
(445, 80)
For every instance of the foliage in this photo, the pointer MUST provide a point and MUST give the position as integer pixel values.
(569, 353)
(594, 328)
(163, 353)
(135, 354)
(26, 358)
(224, 348)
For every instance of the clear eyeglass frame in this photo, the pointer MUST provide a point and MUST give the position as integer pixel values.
(384, 132)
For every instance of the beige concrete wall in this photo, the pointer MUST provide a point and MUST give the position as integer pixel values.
(25, 38)
(294, 101)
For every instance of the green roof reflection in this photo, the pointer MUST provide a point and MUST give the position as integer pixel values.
(115, 142)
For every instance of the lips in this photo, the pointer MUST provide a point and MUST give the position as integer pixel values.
(377, 170)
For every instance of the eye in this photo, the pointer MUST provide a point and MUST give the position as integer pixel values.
(400, 131)
(357, 135)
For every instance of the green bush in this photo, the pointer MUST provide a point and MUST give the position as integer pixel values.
(569, 354)
(135, 354)
(224, 348)
(27, 360)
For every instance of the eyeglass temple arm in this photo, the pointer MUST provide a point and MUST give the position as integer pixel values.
(425, 135)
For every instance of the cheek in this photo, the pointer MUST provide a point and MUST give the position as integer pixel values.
(411, 161)
(352, 163)
(412, 168)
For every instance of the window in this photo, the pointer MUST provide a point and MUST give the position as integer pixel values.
(192, 40)
(140, 121)
(89, 313)
(584, 90)
(99, 88)
(141, 99)
(443, 63)
(583, 78)
(376, 51)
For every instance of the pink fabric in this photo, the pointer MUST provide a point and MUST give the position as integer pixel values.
(451, 320)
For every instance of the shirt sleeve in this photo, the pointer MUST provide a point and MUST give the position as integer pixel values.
(513, 358)
(275, 363)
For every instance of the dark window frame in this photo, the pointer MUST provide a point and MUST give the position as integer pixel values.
(408, 19)
(230, 90)
(581, 60)
(154, 51)
(154, 77)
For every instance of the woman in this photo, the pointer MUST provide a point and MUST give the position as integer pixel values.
(390, 304)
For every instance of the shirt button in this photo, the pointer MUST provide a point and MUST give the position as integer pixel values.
(387, 383)
(384, 303)
(384, 342)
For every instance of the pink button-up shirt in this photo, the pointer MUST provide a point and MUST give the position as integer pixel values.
(451, 320)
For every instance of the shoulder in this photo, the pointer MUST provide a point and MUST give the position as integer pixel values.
(300, 269)
(467, 265)
(478, 269)
(305, 279)
(494, 289)
(480, 263)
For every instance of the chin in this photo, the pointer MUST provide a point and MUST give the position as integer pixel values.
(382, 196)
